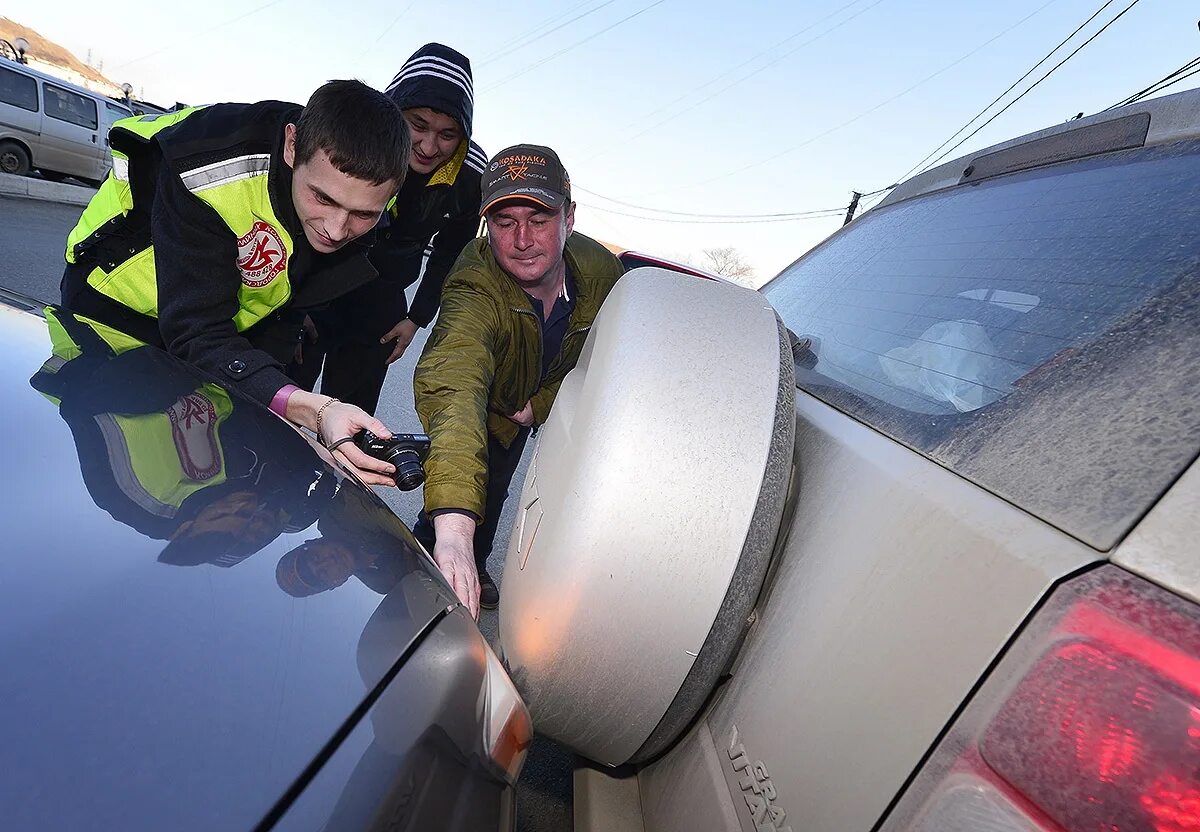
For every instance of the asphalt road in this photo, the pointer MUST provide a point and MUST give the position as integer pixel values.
(32, 239)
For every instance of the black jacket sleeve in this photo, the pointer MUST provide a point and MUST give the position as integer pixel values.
(195, 258)
(448, 243)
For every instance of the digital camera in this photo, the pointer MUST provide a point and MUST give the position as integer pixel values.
(404, 450)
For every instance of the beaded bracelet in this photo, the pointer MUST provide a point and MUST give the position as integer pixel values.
(321, 410)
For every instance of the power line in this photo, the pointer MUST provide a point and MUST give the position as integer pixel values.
(535, 34)
(567, 49)
(388, 28)
(196, 35)
(863, 207)
(868, 112)
(791, 214)
(1011, 88)
(817, 215)
(751, 59)
(774, 61)
(1173, 83)
(1032, 86)
(762, 68)
(1159, 85)
(530, 32)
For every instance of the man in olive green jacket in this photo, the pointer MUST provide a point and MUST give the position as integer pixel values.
(515, 312)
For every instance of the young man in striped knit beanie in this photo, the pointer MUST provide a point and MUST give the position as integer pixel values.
(363, 332)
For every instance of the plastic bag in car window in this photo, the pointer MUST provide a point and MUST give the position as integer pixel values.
(953, 362)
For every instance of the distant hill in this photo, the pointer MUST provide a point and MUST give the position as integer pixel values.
(49, 57)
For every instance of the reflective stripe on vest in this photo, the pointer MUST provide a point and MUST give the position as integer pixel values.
(237, 191)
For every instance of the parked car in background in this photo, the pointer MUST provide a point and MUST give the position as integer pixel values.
(53, 126)
(636, 260)
(205, 625)
(906, 541)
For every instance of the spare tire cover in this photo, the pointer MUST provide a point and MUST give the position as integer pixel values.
(648, 514)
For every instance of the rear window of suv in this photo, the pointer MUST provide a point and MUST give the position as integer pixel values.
(1038, 333)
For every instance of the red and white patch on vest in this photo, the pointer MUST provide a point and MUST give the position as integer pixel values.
(261, 255)
(194, 430)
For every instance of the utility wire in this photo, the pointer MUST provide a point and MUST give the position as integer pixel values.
(389, 27)
(773, 61)
(1159, 85)
(535, 35)
(827, 213)
(1000, 97)
(1030, 88)
(567, 49)
(746, 77)
(1011, 87)
(529, 33)
(863, 207)
(787, 214)
(868, 112)
(200, 34)
(750, 60)
(1195, 71)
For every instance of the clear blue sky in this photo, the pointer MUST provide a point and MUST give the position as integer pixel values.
(600, 102)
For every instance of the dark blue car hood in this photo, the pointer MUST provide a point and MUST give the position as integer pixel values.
(185, 584)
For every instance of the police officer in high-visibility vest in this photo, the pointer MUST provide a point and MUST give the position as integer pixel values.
(219, 225)
(173, 456)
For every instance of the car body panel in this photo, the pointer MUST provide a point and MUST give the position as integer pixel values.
(901, 586)
(1171, 529)
(413, 762)
(147, 694)
(686, 788)
(874, 629)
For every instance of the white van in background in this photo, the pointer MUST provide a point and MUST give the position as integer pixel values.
(53, 126)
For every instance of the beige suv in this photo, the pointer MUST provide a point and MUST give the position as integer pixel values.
(908, 541)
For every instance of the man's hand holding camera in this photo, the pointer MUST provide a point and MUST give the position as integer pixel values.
(336, 424)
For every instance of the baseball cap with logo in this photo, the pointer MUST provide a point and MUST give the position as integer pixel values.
(526, 171)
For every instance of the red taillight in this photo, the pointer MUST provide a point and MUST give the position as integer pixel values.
(1091, 724)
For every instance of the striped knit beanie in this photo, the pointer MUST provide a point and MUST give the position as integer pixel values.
(439, 78)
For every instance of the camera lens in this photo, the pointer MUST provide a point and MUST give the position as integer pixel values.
(409, 473)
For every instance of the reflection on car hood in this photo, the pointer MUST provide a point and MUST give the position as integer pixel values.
(185, 587)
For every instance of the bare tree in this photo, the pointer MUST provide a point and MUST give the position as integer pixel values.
(728, 262)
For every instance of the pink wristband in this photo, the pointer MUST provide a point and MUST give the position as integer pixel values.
(279, 402)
